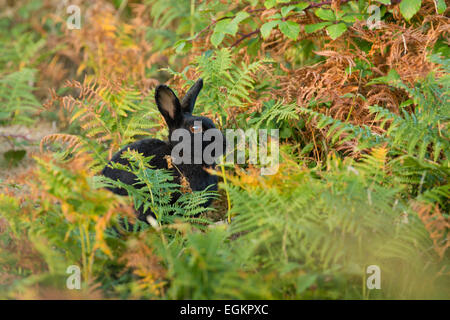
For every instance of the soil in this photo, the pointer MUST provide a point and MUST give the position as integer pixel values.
(19, 137)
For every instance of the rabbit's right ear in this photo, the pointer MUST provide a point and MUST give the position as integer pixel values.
(169, 106)
(188, 102)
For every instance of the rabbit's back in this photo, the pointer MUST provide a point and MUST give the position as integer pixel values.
(148, 147)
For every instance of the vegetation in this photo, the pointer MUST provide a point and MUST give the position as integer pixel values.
(363, 116)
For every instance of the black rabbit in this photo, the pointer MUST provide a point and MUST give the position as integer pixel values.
(178, 115)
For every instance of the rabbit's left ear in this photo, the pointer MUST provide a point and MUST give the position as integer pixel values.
(169, 106)
(188, 102)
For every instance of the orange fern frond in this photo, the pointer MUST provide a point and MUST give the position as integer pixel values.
(73, 142)
(437, 226)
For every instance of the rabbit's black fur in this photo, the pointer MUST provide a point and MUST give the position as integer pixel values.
(177, 115)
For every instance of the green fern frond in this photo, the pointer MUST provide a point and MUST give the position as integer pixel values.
(17, 98)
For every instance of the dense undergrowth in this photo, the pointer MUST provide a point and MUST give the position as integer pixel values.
(364, 170)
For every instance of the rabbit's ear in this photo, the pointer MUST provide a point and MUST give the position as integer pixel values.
(169, 105)
(188, 102)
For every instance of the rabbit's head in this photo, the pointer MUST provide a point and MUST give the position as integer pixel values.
(190, 136)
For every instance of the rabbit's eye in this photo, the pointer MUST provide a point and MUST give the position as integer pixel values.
(196, 129)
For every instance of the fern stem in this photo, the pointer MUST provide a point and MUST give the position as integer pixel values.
(83, 252)
(192, 17)
(350, 112)
(222, 167)
(364, 283)
(89, 252)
